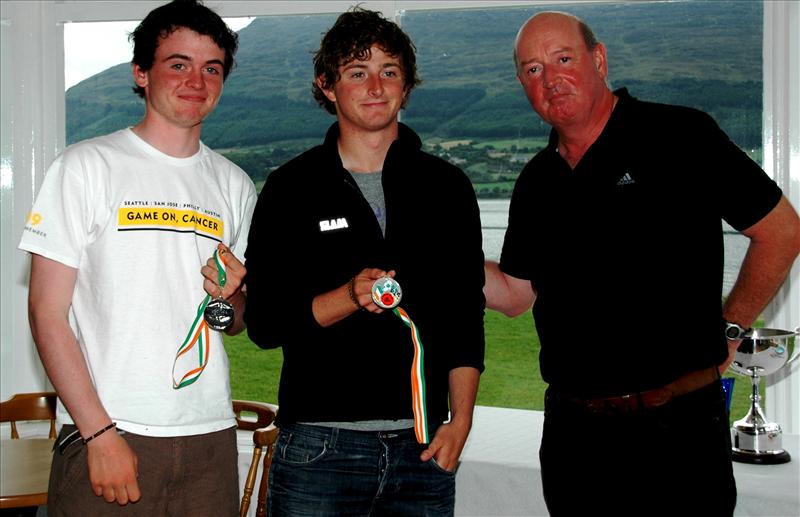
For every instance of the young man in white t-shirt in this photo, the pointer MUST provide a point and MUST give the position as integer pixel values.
(119, 233)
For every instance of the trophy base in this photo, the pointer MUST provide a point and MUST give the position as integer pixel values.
(761, 457)
(758, 444)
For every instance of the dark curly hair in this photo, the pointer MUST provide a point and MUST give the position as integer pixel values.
(164, 20)
(351, 38)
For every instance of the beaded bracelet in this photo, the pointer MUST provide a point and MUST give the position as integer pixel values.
(351, 292)
(112, 425)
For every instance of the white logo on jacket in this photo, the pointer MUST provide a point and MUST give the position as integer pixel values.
(333, 224)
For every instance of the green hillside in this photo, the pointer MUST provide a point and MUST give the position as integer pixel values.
(705, 54)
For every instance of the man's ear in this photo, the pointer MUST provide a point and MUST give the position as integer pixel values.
(139, 76)
(329, 93)
(599, 58)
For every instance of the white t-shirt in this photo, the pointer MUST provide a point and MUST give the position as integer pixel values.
(138, 225)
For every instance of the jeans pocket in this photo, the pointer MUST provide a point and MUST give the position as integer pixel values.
(433, 463)
(298, 449)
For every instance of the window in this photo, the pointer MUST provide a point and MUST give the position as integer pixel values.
(469, 109)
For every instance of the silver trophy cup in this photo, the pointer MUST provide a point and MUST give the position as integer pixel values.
(756, 439)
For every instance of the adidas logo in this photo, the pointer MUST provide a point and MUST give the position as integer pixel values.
(626, 180)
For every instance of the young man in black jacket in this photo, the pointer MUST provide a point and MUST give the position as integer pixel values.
(368, 204)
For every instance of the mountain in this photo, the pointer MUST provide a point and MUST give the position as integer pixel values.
(705, 54)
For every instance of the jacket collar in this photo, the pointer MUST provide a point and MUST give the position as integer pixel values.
(407, 142)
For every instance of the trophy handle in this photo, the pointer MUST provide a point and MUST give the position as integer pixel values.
(796, 353)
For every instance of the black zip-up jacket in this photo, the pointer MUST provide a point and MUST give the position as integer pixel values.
(313, 230)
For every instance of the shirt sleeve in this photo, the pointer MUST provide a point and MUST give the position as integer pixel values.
(58, 225)
(515, 257)
(747, 193)
(279, 307)
(248, 200)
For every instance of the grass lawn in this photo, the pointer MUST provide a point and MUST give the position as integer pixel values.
(511, 378)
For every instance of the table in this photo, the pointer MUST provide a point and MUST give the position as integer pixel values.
(500, 474)
(772, 490)
(24, 471)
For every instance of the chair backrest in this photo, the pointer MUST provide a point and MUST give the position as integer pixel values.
(29, 406)
(264, 435)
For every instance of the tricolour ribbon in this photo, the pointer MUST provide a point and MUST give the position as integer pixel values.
(417, 379)
(197, 340)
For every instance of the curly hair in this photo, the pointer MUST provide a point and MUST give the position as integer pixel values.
(164, 20)
(351, 38)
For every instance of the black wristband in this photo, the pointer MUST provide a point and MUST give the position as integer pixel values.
(112, 425)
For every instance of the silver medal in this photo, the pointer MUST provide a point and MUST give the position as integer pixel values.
(218, 314)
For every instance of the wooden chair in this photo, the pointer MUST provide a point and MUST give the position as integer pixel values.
(264, 435)
(29, 406)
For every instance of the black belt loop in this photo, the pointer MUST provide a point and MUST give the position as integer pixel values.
(334, 436)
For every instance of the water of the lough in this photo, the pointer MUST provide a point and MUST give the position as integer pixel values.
(494, 219)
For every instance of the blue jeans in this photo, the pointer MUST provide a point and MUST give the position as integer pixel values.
(318, 471)
(670, 460)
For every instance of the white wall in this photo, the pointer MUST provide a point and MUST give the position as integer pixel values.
(32, 109)
(32, 133)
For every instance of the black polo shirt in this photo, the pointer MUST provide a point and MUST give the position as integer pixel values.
(626, 250)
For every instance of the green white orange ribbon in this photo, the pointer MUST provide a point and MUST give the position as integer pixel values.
(417, 379)
(198, 342)
(193, 354)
